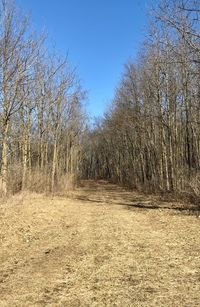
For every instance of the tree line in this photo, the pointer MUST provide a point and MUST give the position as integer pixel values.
(150, 137)
(41, 108)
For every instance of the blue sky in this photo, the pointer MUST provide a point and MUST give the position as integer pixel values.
(98, 35)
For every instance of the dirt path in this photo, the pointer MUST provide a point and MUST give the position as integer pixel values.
(96, 249)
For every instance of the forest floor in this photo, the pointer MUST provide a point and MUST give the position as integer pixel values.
(101, 246)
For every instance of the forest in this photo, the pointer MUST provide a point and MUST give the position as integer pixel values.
(149, 137)
(100, 212)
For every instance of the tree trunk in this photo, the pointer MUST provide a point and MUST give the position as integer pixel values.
(4, 167)
(54, 166)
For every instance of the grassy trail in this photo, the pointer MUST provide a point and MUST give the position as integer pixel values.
(102, 246)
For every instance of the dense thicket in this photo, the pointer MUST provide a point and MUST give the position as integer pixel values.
(150, 138)
(41, 115)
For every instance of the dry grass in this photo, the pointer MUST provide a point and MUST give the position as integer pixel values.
(38, 182)
(96, 249)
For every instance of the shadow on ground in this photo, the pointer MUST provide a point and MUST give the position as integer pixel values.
(102, 192)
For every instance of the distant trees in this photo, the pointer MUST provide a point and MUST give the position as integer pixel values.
(41, 114)
(150, 138)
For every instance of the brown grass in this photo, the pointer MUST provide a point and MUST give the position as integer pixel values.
(97, 249)
(38, 182)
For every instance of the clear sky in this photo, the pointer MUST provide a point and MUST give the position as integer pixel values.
(98, 35)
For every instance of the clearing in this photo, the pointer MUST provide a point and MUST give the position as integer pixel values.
(102, 246)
